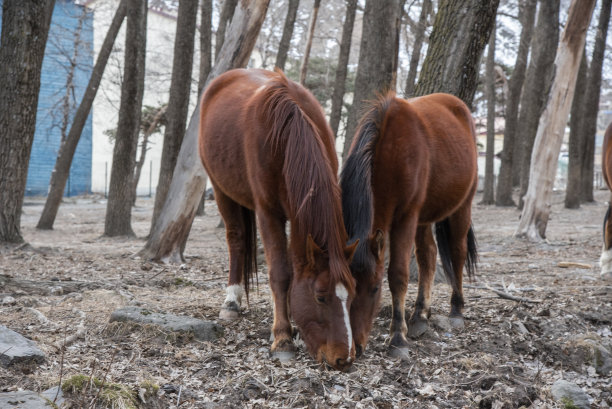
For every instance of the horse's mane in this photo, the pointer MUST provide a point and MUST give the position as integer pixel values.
(356, 181)
(312, 189)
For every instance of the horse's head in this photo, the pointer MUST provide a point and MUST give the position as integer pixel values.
(320, 305)
(367, 267)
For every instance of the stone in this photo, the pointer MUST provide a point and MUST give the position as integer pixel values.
(54, 394)
(24, 400)
(15, 348)
(202, 330)
(568, 393)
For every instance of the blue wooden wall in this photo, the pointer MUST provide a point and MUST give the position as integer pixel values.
(58, 53)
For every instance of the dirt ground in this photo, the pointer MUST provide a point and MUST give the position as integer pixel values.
(508, 356)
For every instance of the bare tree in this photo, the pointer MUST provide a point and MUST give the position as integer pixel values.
(376, 59)
(342, 67)
(527, 9)
(285, 42)
(415, 55)
(178, 103)
(205, 43)
(169, 235)
(534, 217)
(537, 85)
(61, 171)
(591, 103)
(488, 195)
(460, 33)
(25, 27)
(118, 221)
(311, 29)
(227, 13)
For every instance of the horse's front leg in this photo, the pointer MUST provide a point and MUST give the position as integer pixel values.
(606, 253)
(272, 230)
(400, 247)
(425, 249)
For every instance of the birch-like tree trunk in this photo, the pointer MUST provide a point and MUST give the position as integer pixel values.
(206, 13)
(311, 29)
(488, 195)
(61, 171)
(415, 55)
(169, 235)
(536, 211)
(285, 42)
(342, 67)
(227, 13)
(515, 85)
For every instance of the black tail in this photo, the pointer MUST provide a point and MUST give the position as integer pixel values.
(250, 252)
(606, 217)
(443, 241)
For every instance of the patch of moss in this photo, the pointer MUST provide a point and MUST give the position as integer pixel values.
(78, 383)
(145, 312)
(113, 395)
(181, 281)
(568, 403)
(151, 388)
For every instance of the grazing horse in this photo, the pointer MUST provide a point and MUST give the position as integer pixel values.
(606, 169)
(412, 164)
(269, 153)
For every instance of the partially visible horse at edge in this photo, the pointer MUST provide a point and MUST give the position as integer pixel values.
(270, 154)
(606, 169)
(412, 163)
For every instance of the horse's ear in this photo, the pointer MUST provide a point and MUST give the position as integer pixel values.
(377, 244)
(312, 251)
(349, 251)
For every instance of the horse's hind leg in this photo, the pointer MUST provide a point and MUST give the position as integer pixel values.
(606, 253)
(425, 249)
(235, 232)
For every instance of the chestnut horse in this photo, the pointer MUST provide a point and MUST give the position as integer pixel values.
(606, 169)
(269, 153)
(412, 163)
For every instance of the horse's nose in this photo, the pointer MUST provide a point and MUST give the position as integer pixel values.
(343, 364)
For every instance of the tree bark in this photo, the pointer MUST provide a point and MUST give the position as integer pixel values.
(61, 171)
(376, 54)
(535, 214)
(460, 33)
(576, 144)
(178, 103)
(415, 56)
(169, 235)
(537, 85)
(488, 195)
(205, 43)
(285, 42)
(25, 27)
(515, 86)
(591, 104)
(227, 13)
(341, 68)
(118, 221)
(311, 29)
(157, 118)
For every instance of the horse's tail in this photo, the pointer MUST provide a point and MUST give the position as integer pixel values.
(606, 217)
(443, 232)
(250, 253)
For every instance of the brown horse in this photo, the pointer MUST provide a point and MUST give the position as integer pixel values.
(606, 169)
(412, 163)
(269, 153)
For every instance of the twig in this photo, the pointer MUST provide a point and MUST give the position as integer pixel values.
(178, 398)
(93, 401)
(78, 334)
(507, 296)
(61, 368)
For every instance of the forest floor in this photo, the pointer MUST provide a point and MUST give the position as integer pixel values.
(508, 355)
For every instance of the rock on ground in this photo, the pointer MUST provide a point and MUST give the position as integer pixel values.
(23, 400)
(569, 393)
(15, 348)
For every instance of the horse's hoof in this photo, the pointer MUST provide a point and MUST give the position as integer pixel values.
(606, 275)
(229, 312)
(417, 327)
(399, 352)
(457, 322)
(284, 350)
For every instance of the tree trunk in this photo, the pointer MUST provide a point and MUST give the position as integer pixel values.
(341, 69)
(488, 196)
(144, 148)
(576, 144)
(398, 30)
(25, 27)
(311, 29)
(534, 217)
(460, 33)
(285, 42)
(61, 171)
(376, 54)
(169, 235)
(118, 221)
(415, 56)
(227, 13)
(69, 89)
(515, 86)
(205, 43)
(537, 85)
(591, 103)
(178, 103)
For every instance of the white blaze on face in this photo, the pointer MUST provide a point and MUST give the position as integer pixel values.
(342, 294)
(233, 293)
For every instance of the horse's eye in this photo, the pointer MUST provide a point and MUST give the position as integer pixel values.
(375, 290)
(320, 299)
